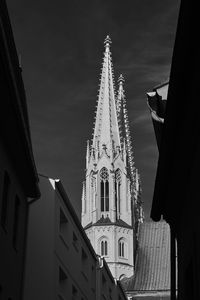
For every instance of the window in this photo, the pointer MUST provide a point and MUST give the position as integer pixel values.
(122, 248)
(63, 228)
(75, 241)
(63, 222)
(84, 259)
(104, 247)
(110, 293)
(83, 256)
(103, 280)
(62, 275)
(74, 292)
(93, 278)
(118, 191)
(5, 198)
(85, 264)
(16, 223)
(104, 188)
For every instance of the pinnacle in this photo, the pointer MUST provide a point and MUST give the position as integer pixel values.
(121, 78)
(107, 42)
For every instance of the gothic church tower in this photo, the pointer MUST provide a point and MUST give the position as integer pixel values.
(111, 206)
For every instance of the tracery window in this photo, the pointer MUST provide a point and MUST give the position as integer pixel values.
(104, 247)
(93, 189)
(104, 186)
(118, 189)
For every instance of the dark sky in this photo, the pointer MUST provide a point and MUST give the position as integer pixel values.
(61, 49)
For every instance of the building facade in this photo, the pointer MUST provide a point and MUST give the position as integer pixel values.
(61, 263)
(18, 176)
(108, 287)
(111, 207)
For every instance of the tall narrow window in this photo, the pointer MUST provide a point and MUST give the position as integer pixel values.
(102, 195)
(85, 264)
(16, 223)
(63, 282)
(104, 248)
(62, 275)
(107, 195)
(122, 250)
(104, 189)
(118, 190)
(5, 197)
(122, 245)
(74, 292)
(63, 222)
(93, 278)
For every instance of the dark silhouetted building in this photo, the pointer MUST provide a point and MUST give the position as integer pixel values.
(107, 286)
(176, 193)
(61, 263)
(156, 101)
(18, 177)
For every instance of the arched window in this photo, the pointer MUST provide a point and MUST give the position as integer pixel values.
(118, 190)
(104, 183)
(122, 248)
(104, 248)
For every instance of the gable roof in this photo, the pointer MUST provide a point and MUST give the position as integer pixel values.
(152, 272)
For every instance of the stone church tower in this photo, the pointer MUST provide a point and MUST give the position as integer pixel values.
(111, 205)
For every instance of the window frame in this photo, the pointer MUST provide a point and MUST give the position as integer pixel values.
(104, 190)
(104, 247)
(122, 249)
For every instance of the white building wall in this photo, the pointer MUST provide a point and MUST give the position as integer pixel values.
(118, 265)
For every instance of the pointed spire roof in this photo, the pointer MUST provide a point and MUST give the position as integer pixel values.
(106, 131)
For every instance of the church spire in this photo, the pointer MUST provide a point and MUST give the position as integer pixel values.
(109, 195)
(106, 131)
